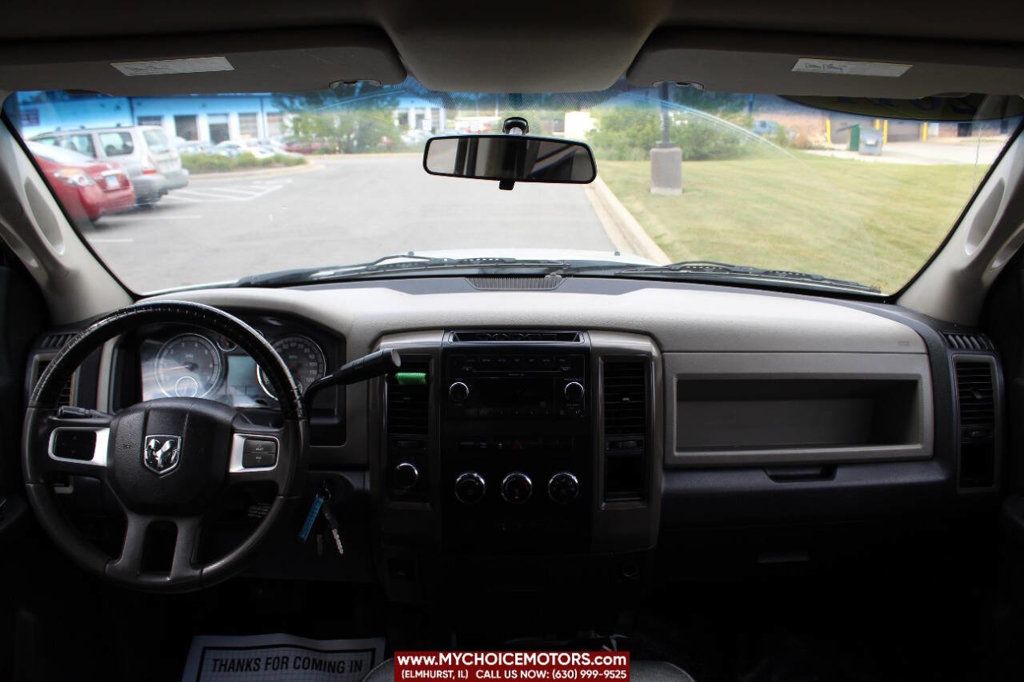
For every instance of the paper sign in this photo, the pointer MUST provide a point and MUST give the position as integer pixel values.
(844, 68)
(165, 67)
(280, 658)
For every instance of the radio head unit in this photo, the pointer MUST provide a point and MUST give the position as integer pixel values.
(514, 382)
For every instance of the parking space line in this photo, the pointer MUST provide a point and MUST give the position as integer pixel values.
(240, 190)
(206, 194)
(131, 218)
(170, 217)
(223, 193)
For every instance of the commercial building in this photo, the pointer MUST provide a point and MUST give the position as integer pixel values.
(201, 118)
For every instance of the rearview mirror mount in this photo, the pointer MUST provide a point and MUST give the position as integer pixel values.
(510, 158)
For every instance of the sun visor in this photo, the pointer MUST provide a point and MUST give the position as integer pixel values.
(278, 61)
(799, 64)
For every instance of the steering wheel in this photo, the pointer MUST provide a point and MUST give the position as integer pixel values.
(166, 460)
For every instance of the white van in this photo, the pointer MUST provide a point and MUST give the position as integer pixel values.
(146, 154)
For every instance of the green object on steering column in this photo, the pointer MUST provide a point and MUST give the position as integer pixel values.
(411, 378)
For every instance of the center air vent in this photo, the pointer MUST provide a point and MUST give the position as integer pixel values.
(505, 336)
(976, 400)
(624, 386)
(408, 429)
(408, 404)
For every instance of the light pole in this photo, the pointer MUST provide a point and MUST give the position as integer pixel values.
(664, 144)
(666, 159)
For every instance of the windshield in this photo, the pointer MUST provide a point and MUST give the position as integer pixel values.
(234, 185)
(59, 155)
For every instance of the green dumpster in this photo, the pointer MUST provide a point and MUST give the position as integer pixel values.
(854, 138)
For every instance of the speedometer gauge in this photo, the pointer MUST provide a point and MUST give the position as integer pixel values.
(302, 357)
(188, 366)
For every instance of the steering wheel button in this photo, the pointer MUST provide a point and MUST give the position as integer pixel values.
(74, 444)
(259, 453)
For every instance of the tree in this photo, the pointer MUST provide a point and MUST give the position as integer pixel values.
(351, 132)
(351, 119)
(627, 133)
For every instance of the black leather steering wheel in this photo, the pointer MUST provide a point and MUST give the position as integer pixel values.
(164, 460)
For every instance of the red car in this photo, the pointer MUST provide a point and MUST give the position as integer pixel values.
(87, 188)
(305, 146)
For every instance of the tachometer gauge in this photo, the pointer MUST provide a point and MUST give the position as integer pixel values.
(188, 366)
(302, 357)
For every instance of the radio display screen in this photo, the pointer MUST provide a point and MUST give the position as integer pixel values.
(515, 392)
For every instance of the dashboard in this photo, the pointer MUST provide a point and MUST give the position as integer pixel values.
(608, 422)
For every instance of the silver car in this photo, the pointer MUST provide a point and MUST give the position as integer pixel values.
(151, 161)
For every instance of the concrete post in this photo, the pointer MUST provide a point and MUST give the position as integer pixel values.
(667, 170)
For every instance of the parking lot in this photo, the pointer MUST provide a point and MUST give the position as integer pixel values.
(333, 211)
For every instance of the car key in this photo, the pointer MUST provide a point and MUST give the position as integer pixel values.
(314, 511)
(332, 524)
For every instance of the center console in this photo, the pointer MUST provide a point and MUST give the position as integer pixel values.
(508, 444)
(516, 437)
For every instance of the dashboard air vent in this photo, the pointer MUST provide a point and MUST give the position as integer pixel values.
(408, 404)
(975, 389)
(505, 336)
(408, 429)
(516, 283)
(625, 390)
(624, 387)
(56, 341)
(968, 341)
(65, 393)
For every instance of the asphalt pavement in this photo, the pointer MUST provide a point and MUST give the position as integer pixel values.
(333, 211)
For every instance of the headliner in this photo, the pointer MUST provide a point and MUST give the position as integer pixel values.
(522, 47)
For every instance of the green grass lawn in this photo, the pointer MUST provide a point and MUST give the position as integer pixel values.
(874, 223)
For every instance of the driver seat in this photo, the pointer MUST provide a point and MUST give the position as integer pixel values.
(639, 671)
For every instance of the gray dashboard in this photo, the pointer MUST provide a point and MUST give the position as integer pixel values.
(766, 409)
(678, 319)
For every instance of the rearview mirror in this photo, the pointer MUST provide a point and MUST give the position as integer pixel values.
(510, 159)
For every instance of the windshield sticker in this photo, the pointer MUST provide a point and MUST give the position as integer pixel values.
(166, 67)
(842, 68)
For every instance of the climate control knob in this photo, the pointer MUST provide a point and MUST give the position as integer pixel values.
(470, 487)
(406, 476)
(516, 488)
(574, 392)
(458, 392)
(563, 487)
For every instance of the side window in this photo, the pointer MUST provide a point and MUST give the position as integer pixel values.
(117, 144)
(79, 143)
(156, 140)
(52, 141)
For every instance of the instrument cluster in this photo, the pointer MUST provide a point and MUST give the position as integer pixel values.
(192, 363)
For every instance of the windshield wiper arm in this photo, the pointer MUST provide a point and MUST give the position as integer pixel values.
(396, 263)
(728, 270)
(303, 274)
